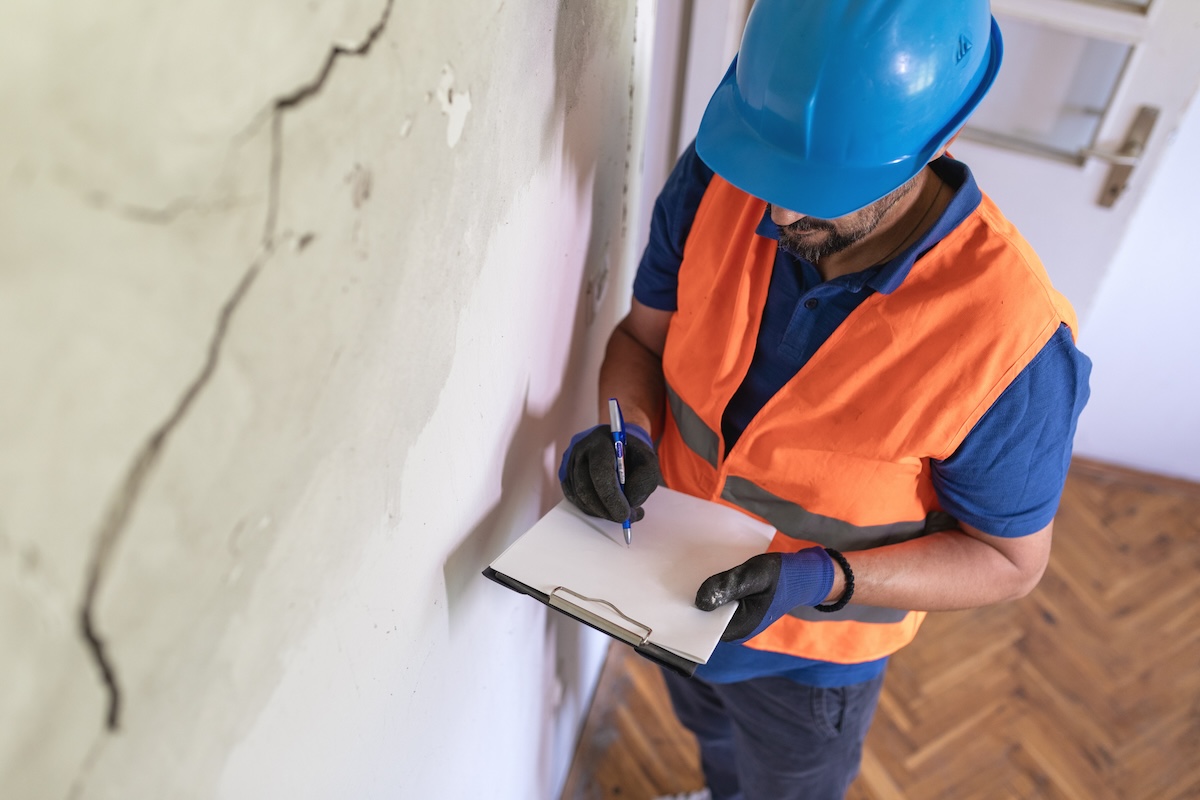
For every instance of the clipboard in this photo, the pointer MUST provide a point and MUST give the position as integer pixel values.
(641, 644)
(643, 594)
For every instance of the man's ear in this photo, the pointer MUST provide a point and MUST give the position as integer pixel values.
(946, 147)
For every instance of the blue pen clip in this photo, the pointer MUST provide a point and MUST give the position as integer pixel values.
(616, 426)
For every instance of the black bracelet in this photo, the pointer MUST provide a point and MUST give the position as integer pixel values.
(848, 592)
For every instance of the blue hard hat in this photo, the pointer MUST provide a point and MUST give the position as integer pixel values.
(832, 104)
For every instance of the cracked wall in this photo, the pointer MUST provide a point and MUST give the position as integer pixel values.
(296, 307)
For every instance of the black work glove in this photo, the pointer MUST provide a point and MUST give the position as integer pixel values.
(768, 585)
(588, 473)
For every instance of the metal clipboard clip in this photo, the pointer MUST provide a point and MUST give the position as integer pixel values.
(597, 621)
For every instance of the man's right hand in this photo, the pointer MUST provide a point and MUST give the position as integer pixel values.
(588, 473)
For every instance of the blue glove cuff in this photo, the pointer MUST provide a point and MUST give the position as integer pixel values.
(805, 579)
(640, 432)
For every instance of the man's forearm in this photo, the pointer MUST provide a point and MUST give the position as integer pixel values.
(946, 571)
(632, 373)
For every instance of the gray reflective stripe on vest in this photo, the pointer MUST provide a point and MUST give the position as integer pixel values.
(696, 434)
(793, 520)
(798, 522)
(850, 612)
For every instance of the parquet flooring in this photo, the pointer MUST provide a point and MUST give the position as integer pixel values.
(1088, 689)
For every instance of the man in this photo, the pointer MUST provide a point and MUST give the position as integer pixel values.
(836, 332)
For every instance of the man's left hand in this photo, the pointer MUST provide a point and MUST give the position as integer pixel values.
(768, 585)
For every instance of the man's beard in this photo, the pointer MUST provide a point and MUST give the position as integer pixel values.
(813, 249)
(792, 240)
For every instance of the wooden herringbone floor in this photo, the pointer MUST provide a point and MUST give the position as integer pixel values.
(1088, 689)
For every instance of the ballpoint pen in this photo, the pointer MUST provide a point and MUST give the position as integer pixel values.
(616, 425)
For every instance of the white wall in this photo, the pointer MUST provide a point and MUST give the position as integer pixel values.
(288, 353)
(1144, 332)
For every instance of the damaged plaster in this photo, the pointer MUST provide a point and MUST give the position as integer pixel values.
(124, 502)
(253, 410)
(454, 104)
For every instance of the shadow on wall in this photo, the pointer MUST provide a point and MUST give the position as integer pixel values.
(586, 139)
(596, 110)
(521, 480)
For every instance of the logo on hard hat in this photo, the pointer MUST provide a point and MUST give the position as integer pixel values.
(964, 47)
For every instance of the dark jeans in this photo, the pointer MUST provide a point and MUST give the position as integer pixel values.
(774, 739)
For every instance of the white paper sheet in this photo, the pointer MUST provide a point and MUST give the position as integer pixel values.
(681, 541)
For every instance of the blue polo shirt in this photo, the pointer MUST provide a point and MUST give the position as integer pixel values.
(1007, 476)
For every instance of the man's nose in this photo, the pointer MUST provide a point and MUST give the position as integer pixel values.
(782, 217)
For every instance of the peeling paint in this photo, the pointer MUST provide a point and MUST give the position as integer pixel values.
(455, 105)
(359, 181)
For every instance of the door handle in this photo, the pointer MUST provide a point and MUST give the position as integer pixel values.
(1124, 160)
(1113, 157)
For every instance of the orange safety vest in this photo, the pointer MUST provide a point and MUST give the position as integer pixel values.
(840, 455)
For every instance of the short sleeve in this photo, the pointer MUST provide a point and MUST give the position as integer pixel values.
(1007, 476)
(658, 273)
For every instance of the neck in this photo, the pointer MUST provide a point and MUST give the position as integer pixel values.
(905, 222)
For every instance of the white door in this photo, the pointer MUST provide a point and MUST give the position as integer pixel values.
(1079, 77)
(1075, 77)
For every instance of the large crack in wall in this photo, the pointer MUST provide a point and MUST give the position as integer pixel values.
(122, 506)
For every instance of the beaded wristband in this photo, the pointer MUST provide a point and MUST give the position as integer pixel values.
(848, 592)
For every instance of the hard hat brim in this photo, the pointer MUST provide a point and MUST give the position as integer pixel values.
(732, 147)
